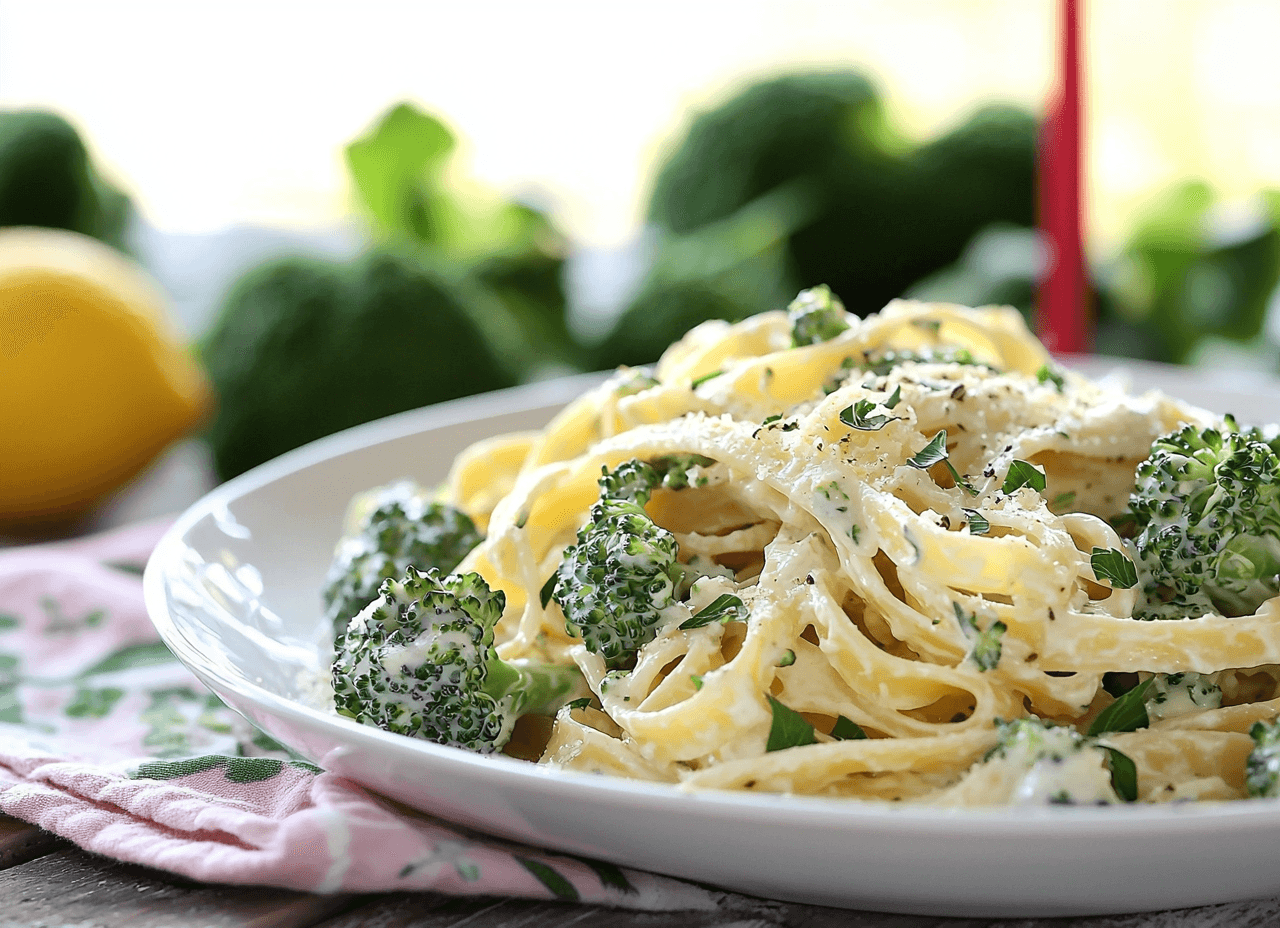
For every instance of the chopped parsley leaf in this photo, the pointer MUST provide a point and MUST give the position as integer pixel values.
(1124, 775)
(1021, 474)
(858, 416)
(931, 453)
(548, 589)
(724, 608)
(1063, 500)
(936, 452)
(1047, 374)
(1110, 564)
(847, 730)
(1127, 713)
(789, 728)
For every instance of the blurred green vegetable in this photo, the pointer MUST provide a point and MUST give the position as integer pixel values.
(1193, 273)
(47, 179)
(1191, 277)
(1000, 266)
(304, 347)
(729, 269)
(403, 175)
(887, 214)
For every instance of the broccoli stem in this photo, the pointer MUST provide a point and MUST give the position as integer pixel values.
(617, 585)
(537, 689)
(420, 661)
(1249, 568)
(1207, 502)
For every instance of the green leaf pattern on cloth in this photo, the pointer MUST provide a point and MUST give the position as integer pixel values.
(118, 689)
(127, 658)
(107, 740)
(451, 854)
(235, 769)
(172, 713)
(59, 623)
(551, 878)
(93, 702)
(10, 705)
(609, 875)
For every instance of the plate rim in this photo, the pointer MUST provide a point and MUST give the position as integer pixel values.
(1167, 820)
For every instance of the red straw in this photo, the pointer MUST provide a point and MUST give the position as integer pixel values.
(1063, 312)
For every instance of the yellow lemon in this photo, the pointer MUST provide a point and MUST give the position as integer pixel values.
(94, 380)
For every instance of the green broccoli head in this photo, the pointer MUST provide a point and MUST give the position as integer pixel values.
(1032, 739)
(1056, 765)
(1174, 694)
(1262, 770)
(661, 313)
(47, 179)
(401, 529)
(794, 125)
(733, 268)
(631, 481)
(887, 213)
(305, 347)
(618, 584)
(1208, 501)
(816, 315)
(420, 661)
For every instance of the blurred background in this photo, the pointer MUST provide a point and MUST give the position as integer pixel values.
(352, 211)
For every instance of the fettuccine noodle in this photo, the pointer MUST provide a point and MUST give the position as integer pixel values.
(867, 579)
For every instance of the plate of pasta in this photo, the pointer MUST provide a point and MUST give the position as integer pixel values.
(897, 613)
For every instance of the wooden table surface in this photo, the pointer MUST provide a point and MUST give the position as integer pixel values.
(46, 882)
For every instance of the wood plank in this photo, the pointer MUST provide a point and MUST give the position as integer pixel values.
(421, 910)
(20, 842)
(72, 887)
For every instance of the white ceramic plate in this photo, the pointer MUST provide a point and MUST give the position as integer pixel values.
(234, 590)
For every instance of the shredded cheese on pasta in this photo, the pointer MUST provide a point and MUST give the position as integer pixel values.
(870, 582)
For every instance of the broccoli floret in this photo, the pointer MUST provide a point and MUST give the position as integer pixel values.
(48, 179)
(420, 661)
(633, 482)
(1208, 502)
(680, 471)
(405, 177)
(1056, 765)
(887, 212)
(402, 528)
(1001, 266)
(1262, 770)
(816, 315)
(1174, 694)
(617, 586)
(731, 269)
(304, 347)
(1034, 740)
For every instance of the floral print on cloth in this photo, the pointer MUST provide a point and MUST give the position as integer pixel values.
(107, 740)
